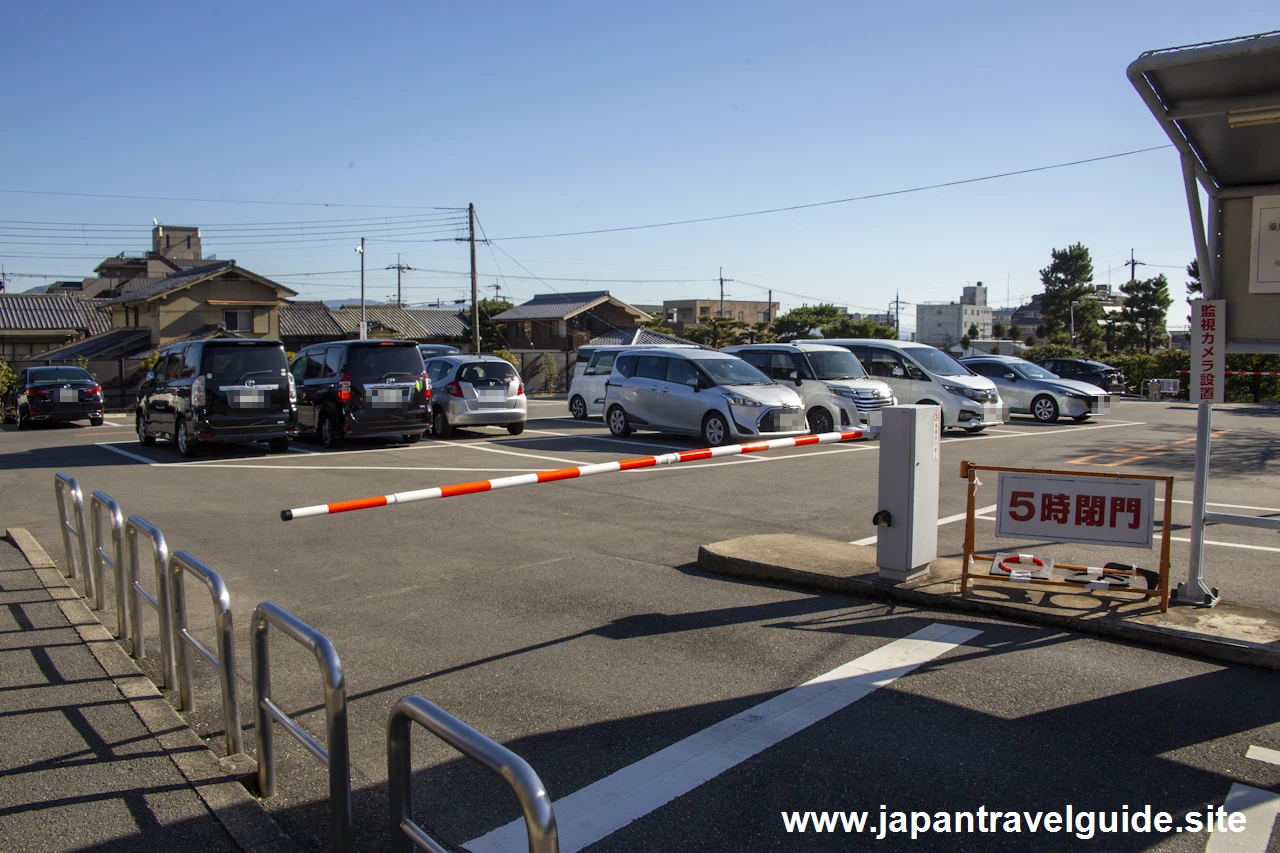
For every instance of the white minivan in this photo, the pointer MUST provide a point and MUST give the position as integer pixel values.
(837, 392)
(924, 375)
(586, 391)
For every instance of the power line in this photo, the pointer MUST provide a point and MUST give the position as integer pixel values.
(228, 200)
(839, 200)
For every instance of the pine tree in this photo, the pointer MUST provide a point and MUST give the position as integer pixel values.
(1146, 305)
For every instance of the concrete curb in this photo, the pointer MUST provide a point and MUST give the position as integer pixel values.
(243, 817)
(717, 558)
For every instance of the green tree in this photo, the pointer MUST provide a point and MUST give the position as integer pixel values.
(965, 343)
(997, 330)
(1015, 333)
(995, 349)
(804, 322)
(655, 325)
(1195, 289)
(1030, 341)
(715, 332)
(7, 377)
(1146, 306)
(846, 327)
(550, 373)
(1068, 279)
(493, 335)
(974, 333)
(760, 333)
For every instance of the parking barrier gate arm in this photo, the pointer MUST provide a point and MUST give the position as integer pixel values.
(225, 661)
(100, 504)
(337, 755)
(569, 473)
(535, 802)
(134, 528)
(64, 487)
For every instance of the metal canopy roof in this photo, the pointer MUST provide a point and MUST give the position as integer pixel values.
(1220, 103)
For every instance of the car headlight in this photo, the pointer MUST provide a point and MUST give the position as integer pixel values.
(1076, 395)
(971, 393)
(842, 391)
(739, 400)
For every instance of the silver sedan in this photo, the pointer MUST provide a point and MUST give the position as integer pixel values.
(1029, 389)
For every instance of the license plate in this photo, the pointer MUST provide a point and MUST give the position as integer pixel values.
(993, 413)
(788, 421)
(389, 398)
(1099, 405)
(875, 420)
(247, 399)
(491, 398)
(68, 395)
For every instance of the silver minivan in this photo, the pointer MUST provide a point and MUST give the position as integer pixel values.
(586, 391)
(837, 392)
(698, 392)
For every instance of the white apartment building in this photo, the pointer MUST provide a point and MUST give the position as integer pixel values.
(942, 324)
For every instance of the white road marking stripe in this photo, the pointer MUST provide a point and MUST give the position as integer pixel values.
(109, 446)
(1259, 808)
(978, 513)
(1230, 545)
(1261, 753)
(483, 446)
(600, 809)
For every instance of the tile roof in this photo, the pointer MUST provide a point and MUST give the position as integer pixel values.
(149, 288)
(415, 323)
(35, 312)
(634, 337)
(117, 343)
(441, 323)
(308, 319)
(561, 306)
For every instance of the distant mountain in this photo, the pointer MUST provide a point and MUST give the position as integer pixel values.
(338, 303)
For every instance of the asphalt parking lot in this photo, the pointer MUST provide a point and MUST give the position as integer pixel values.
(568, 622)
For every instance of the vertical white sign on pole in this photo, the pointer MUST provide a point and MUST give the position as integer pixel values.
(1208, 350)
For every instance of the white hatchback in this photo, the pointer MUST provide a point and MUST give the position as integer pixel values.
(475, 390)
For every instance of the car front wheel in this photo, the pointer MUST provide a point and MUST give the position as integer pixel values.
(618, 425)
(1045, 409)
(715, 431)
(188, 447)
(330, 432)
(820, 421)
(578, 408)
(143, 438)
(515, 429)
(279, 444)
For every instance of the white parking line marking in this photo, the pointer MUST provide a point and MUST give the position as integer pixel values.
(600, 809)
(481, 446)
(1259, 808)
(1261, 753)
(109, 446)
(978, 513)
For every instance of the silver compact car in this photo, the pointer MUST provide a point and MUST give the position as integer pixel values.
(475, 390)
(714, 395)
(1029, 389)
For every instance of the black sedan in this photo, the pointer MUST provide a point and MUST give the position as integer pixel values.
(51, 395)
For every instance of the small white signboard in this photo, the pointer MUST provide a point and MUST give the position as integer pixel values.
(1062, 508)
(1264, 255)
(1208, 350)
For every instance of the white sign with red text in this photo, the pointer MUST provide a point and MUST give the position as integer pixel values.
(1061, 508)
(1208, 350)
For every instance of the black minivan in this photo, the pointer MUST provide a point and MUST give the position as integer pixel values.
(220, 390)
(362, 389)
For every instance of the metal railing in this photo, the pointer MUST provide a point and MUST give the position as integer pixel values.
(535, 802)
(224, 661)
(135, 527)
(337, 755)
(64, 487)
(100, 505)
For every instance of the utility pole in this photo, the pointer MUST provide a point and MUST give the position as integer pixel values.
(896, 307)
(722, 281)
(770, 312)
(1133, 266)
(399, 268)
(364, 327)
(475, 298)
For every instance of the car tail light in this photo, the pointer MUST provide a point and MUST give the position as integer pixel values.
(198, 395)
(37, 392)
(293, 389)
(454, 389)
(520, 389)
(344, 388)
(426, 386)
(93, 390)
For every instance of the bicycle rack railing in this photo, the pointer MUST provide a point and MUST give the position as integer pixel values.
(224, 661)
(100, 503)
(535, 802)
(64, 487)
(337, 756)
(135, 527)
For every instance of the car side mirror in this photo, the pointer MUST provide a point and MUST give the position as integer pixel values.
(1012, 377)
(897, 371)
(695, 383)
(150, 377)
(794, 376)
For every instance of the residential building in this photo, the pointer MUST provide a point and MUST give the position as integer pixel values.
(945, 323)
(306, 322)
(33, 323)
(566, 321)
(682, 313)
(635, 337)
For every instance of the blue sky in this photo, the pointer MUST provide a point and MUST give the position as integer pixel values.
(567, 117)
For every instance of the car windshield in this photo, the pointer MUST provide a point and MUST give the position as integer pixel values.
(1032, 371)
(731, 371)
(59, 374)
(379, 361)
(936, 361)
(831, 364)
(238, 361)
